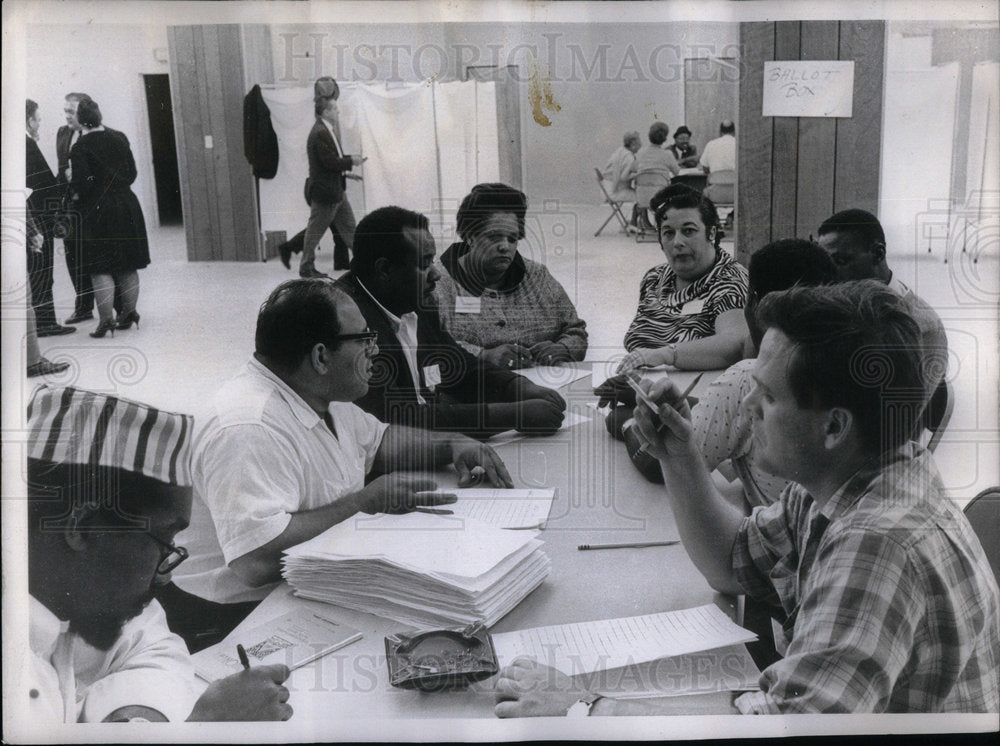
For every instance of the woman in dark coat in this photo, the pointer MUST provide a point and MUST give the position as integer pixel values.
(113, 231)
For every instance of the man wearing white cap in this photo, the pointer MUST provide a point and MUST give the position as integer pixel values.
(109, 485)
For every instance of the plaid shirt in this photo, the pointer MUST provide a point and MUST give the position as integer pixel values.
(888, 601)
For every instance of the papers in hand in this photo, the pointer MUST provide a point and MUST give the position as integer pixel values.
(294, 639)
(502, 508)
(585, 647)
(419, 569)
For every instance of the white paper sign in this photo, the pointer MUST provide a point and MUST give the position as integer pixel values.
(808, 88)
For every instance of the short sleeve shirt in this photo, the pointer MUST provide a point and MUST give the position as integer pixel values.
(888, 600)
(262, 455)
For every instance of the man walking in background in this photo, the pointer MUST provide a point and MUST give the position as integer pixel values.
(325, 187)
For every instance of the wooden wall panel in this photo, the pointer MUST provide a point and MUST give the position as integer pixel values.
(785, 159)
(188, 124)
(817, 141)
(217, 182)
(859, 139)
(755, 139)
(795, 172)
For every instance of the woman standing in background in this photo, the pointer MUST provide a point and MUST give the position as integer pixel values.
(112, 226)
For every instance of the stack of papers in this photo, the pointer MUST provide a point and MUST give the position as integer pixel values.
(419, 569)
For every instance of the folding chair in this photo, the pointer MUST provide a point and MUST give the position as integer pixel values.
(616, 207)
(721, 190)
(695, 181)
(983, 512)
(937, 413)
(647, 184)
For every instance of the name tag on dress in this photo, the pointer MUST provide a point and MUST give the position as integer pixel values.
(432, 376)
(468, 304)
(692, 307)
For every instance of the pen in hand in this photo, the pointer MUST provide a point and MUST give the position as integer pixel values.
(244, 660)
(653, 405)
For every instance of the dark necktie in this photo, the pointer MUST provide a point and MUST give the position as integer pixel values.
(329, 423)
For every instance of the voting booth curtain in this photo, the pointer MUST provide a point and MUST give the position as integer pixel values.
(427, 146)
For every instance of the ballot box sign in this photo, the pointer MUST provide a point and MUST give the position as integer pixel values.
(808, 88)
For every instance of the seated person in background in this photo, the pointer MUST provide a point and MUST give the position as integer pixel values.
(109, 485)
(617, 172)
(855, 241)
(720, 153)
(685, 151)
(885, 594)
(285, 454)
(654, 158)
(682, 315)
(722, 427)
(422, 377)
(494, 302)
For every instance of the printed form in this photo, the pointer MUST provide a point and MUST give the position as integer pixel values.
(585, 647)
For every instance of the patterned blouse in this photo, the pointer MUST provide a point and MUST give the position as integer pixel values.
(529, 308)
(667, 315)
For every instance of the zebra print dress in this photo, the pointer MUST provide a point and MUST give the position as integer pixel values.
(667, 315)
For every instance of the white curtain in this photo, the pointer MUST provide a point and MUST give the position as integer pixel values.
(983, 172)
(426, 145)
(916, 155)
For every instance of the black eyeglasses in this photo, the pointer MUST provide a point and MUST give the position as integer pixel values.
(367, 335)
(172, 556)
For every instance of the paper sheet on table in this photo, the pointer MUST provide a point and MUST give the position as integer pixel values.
(571, 419)
(552, 376)
(585, 647)
(728, 669)
(502, 508)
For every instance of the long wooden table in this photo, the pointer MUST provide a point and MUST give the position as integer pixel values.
(600, 498)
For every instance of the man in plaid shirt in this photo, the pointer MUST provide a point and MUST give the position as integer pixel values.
(887, 601)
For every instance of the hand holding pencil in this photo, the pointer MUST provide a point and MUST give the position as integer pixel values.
(663, 417)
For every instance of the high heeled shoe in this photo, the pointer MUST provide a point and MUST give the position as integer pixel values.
(125, 320)
(103, 328)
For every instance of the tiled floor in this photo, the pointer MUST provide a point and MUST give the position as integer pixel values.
(198, 321)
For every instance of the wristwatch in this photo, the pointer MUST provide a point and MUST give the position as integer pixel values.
(583, 706)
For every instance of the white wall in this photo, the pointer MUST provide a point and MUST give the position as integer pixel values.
(605, 79)
(107, 62)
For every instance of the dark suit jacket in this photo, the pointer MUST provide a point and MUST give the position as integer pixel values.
(326, 166)
(467, 385)
(260, 143)
(63, 136)
(45, 191)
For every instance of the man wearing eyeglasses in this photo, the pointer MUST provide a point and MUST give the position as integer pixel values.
(855, 241)
(109, 486)
(285, 453)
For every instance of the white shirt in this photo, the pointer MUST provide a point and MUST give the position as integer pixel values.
(720, 154)
(69, 680)
(261, 455)
(405, 328)
(333, 134)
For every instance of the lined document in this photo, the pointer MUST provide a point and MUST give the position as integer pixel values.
(504, 508)
(585, 647)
